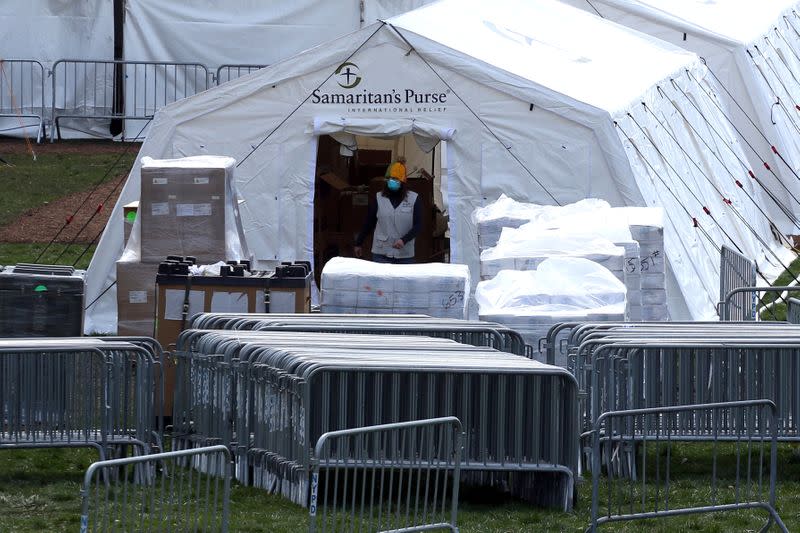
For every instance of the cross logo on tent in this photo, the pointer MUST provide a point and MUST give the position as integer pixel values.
(349, 71)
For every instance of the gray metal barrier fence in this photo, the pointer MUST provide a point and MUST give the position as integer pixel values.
(92, 89)
(636, 448)
(22, 92)
(272, 394)
(737, 271)
(729, 308)
(793, 311)
(400, 477)
(80, 392)
(226, 73)
(186, 490)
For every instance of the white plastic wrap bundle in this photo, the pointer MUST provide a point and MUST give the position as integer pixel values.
(561, 289)
(597, 223)
(526, 247)
(355, 286)
(647, 228)
(506, 212)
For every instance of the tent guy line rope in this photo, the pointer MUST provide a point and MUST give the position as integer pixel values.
(310, 94)
(768, 61)
(771, 88)
(717, 156)
(742, 136)
(785, 209)
(705, 208)
(595, 9)
(725, 200)
(695, 223)
(497, 138)
(71, 217)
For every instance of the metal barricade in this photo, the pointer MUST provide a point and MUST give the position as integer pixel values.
(22, 92)
(185, 490)
(635, 447)
(270, 395)
(116, 89)
(737, 271)
(79, 392)
(226, 73)
(793, 311)
(730, 303)
(390, 477)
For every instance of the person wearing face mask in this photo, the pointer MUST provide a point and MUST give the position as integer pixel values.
(396, 218)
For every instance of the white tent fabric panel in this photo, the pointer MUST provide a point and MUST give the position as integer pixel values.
(723, 33)
(49, 30)
(266, 121)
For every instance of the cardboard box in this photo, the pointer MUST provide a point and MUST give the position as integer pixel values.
(136, 298)
(188, 207)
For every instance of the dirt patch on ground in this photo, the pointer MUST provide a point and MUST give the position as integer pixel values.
(41, 224)
(19, 146)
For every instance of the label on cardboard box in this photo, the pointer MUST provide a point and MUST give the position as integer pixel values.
(201, 181)
(158, 209)
(174, 300)
(159, 181)
(193, 210)
(137, 297)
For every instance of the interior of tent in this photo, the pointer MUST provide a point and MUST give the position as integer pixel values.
(752, 50)
(534, 99)
(349, 173)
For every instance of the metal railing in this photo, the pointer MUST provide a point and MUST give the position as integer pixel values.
(79, 392)
(735, 272)
(96, 89)
(390, 477)
(226, 73)
(22, 92)
(636, 448)
(730, 305)
(185, 490)
(272, 394)
(793, 311)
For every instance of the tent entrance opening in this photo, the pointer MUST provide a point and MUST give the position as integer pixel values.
(349, 177)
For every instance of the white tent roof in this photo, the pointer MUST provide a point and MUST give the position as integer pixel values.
(739, 20)
(589, 60)
(753, 49)
(535, 99)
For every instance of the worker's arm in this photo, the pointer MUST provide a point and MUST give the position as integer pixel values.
(417, 222)
(369, 223)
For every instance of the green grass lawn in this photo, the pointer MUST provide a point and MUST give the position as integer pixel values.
(40, 491)
(13, 253)
(31, 183)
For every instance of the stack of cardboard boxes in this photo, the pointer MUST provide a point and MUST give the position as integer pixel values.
(187, 207)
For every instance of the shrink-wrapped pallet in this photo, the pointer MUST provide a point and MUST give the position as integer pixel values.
(561, 289)
(188, 207)
(356, 286)
(520, 249)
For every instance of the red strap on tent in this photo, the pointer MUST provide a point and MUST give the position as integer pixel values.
(99, 208)
(751, 174)
(727, 201)
(766, 165)
(694, 221)
(774, 150)
(69, 219)
(707, 212)
(739, 183)
(797, 107)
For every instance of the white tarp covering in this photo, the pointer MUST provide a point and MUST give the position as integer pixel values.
(46, 31)
(539, 98)
(753, 47)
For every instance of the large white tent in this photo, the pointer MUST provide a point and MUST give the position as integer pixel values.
(754, 50)
(534, 99)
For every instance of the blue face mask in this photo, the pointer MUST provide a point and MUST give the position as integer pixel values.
(393, 184)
